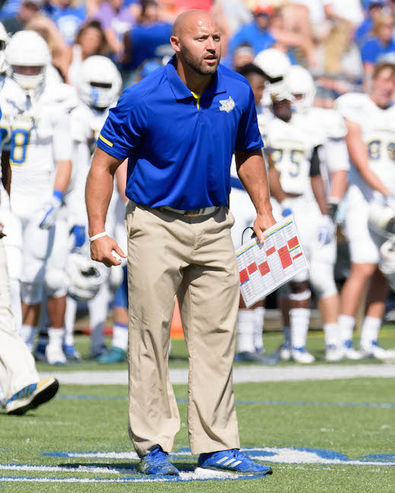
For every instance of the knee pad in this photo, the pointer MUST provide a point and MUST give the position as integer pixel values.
(322, 280)
(31, 293)
(299, 291)
(56, 283)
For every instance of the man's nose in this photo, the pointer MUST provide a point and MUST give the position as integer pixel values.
(211, 44)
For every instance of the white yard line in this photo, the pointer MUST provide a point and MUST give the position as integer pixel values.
(240, 374)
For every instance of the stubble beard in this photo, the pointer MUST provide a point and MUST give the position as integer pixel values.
(198, 67)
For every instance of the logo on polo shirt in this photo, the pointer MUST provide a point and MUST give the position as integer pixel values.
(227, 104)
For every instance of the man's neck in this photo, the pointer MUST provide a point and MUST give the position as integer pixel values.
(196, 82)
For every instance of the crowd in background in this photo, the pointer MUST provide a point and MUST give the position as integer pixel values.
(338, 41)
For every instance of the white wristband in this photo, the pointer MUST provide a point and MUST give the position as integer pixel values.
(96, 237)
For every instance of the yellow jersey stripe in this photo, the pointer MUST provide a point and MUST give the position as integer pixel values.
(105, 140)
(197, 99)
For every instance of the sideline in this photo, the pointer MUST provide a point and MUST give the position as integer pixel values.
(240, 374)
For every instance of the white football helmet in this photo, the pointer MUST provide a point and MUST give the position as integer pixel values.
(274, 63)
(28, 49)
(85, 277)
(387, 261)
(99, 82)
(301, 84)
(4, 39)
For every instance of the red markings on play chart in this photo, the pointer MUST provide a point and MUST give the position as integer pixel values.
(293, 242)
(285, 257)
(252, 268)
(264, 268)
(270, 251)
(243, 276)
(298, 255)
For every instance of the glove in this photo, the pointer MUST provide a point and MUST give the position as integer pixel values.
(286, 208)
(79, 235)
(332, 210)
(326, 230)
(51, 210)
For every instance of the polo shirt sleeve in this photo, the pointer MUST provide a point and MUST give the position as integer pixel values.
(248, 135)
(123, 128)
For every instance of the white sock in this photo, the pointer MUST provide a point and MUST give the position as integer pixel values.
(299, 320)
(55, 337)
(245, 330)
(28, 334)
(331, 332)
(370, 331)
(120, 336)
(69, 321)
(258, 327)
(287, 336)
(346, 326)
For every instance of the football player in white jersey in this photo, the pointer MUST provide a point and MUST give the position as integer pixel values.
(370, 120)
(249, 321)
(98, 87)
(294, 154)
(36, 140)
(334, 169)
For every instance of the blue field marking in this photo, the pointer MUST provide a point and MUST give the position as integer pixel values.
(278, 455)
(381, 405)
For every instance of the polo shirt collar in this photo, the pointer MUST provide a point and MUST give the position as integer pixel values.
(181, 91)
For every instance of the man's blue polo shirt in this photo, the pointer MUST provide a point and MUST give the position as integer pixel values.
(180, 150)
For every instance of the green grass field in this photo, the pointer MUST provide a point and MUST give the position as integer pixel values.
(316, 435)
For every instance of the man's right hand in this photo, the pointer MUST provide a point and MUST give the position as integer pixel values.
(102, 248)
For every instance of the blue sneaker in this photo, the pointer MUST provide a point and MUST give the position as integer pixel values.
(114, 355)
(231, 460)
(157, 462)
(32, 396)
(71, 352)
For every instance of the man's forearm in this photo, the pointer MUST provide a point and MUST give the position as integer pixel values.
(98, 191)
(252, 173)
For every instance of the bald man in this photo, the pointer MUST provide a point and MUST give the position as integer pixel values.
(179, 128)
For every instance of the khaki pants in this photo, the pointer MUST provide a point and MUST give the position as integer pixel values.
(17, 367)
(192, 258)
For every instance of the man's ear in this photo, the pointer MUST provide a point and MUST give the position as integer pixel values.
(175, 43)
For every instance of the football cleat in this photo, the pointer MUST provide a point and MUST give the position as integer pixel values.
(55, 355)
(284, 352)
(157, 462)
(377, 352)
(333, 353)
(349, 352)
(249, 357)
(39, 352)
(231, 460)
(301, 355)
(114, 355)
(96, 352)
(71, 352)
(32, 396)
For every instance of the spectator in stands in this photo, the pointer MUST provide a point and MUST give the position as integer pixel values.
(48, 30)
(90, 40)
(27, 10)
(68, 18)
(344, 17)
(379, 44)
(116, 19)
(149, 38)
(256, 33)
(375, 9)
